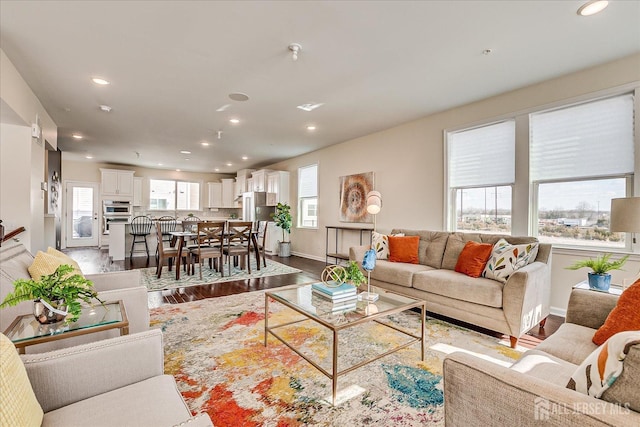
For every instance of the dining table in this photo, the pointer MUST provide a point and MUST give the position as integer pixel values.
(180, 239)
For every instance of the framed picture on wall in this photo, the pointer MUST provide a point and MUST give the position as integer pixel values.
(353, 197)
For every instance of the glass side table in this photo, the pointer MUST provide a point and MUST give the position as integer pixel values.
(613, 289)
(25, 330)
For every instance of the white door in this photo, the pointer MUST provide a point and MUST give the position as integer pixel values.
(82, 226)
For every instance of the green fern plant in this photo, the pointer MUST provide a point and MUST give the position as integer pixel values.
(61, 284)
(601, 264)
(354, 274)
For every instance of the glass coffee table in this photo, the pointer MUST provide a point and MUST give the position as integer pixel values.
(26, 330)
(312, 308)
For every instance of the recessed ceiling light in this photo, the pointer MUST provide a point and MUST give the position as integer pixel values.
(177, 170)
(245, 158)
(229, 164)
(311, 127)
(187, 159)
(185, 152)
(592, 7)
(88, 156)
(217, 170)
(309, 107)
(159, 164)
(234, 121)
(204, 144)
(100, 81)
(239, 96)
(105, 108)
(77, 136)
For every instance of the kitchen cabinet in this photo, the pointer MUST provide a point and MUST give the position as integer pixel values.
(137, 191)
(259, 178)
(278, 183)
(117, 183)
(215, 194)
(250, 186)
(228, 193)
(240, 185)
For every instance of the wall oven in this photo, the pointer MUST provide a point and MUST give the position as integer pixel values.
(115, 211)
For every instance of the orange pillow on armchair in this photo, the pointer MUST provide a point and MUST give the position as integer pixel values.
(473, 258)
(404, 249)
(625, 316)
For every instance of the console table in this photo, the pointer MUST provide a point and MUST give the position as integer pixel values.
(338, 253)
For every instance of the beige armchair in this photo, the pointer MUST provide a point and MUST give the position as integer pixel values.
(114, 382)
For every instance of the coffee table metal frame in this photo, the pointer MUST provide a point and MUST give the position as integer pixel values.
(335, 374)
(122, 325)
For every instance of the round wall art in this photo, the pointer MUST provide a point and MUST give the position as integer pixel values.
(353, 197)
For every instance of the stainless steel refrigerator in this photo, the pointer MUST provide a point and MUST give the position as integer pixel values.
(256, 206)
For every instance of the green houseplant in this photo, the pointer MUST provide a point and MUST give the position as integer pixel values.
(62, 290)
(354, 274)
(600, 278)
(283, 219)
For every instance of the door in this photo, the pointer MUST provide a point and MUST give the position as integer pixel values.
(82, 226)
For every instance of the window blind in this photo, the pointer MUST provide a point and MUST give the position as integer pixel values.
(583, 141)
(308, 181)
(483, 156)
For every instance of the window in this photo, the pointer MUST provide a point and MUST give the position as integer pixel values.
(169, 195)
(308, 196)
(481, 165)
(580, 158)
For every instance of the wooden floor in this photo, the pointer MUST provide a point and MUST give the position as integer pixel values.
(93, 260)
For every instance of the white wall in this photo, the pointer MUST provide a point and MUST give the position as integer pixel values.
(408, 161)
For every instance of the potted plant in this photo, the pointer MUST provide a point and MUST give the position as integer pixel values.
(283, 219)
(56, 296)
(599, 278)
(354, 274)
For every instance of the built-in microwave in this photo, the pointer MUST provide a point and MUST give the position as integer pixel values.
(116, 207)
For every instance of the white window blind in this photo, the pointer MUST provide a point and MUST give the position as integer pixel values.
(483, 156)
(583, 141)
(308, 181)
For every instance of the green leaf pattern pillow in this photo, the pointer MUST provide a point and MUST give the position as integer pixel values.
(380, 242)
(506, 259)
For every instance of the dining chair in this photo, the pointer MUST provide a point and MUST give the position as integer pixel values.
(167, 225)
(164, 253)
(140, 228)
(238, 243)
(210, 242)
(262, 238)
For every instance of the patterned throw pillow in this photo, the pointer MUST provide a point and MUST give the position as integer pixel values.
(380, 242)
(506, 259)
(602, 367)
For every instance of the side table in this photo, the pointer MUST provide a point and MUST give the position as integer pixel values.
(613, 289)
(25, 330)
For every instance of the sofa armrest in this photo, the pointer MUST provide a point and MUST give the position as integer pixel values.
(525, 297)
(200, 420)
(356, 253)
(136, 304)
(479, 392)
(589, 308)
(62, 377)
(115, 280)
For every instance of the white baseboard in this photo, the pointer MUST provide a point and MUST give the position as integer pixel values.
(314, 257)
(558, 311)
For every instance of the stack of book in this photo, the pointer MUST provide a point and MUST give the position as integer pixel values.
(342, 297)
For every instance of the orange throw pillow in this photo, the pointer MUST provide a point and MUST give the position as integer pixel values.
(404, 249)
(473, 258)
(625, 316)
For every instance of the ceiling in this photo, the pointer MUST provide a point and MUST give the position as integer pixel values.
(373, 64)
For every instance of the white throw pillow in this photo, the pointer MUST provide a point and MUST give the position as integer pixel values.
(604, 365)
(380, 242)
(506, 259)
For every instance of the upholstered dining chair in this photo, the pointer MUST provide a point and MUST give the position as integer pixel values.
(167, 225)
(238, 243)
(164, 253)
(140, 228)
(262, 239)
(210, 242)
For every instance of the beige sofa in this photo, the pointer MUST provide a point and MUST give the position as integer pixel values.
(114, 382)
(533, 390)
(112, 286)
(512, 308)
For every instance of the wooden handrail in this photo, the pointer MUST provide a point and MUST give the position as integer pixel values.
(12, 234)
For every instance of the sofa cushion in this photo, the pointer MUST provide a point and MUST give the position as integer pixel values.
(458, 286)
(506, 259)
(404, 249)
(455, 245)
(545, 366)
(397, 273)
(151, 402)
(604, 365)
(19, 405)
(45, 264)
(625, 316)
(64, 257)
(380, 242)
(432, 245)
(570, 342)
(473, 258)
(625, 389)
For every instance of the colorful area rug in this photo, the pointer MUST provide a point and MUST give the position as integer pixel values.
(214, 348)
(168, 280)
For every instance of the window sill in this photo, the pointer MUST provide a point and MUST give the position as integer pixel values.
(593, 252)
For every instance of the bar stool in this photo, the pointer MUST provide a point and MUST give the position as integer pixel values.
(140, 228)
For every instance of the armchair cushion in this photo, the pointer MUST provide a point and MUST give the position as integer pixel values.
(624, 317)
(19, 404)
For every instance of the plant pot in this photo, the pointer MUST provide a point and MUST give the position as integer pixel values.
(599, 282)
(284, 249)
(45, 315)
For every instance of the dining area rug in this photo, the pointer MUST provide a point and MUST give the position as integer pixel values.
(168, 280)
(215, 350)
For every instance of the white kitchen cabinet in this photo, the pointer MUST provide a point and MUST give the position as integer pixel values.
(228, 193)
(259, 178)
(215, 194)
(137, 191)
(117, 183)
(250, 186)
(278, 183)
(240, 185)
